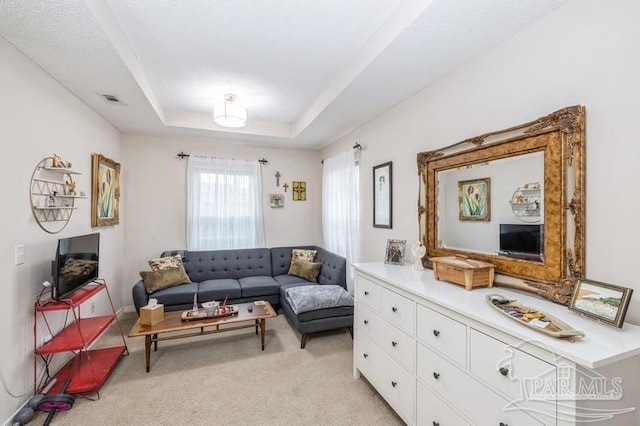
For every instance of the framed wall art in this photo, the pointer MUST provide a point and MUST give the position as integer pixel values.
(382, 195)
(395, 252)
(276, 200)
(474, 198)
(607, 303)
(105, 191)
(299, 190)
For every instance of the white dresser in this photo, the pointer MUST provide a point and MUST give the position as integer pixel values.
(440, 355)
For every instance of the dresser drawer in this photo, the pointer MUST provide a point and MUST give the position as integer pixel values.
(443, 334)
(508, 369)
(516, 374)
(432, 411)
(367, 321)
(397, 344)
(399, 310)
(395, 385)
(369, 293)
(475, 400)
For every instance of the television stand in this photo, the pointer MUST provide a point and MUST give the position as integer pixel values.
(88, 369)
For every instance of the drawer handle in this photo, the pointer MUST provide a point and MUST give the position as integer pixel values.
(503, 424)
(394, 344)
(436, 423)
(394, 309)
(366, 293)
(504, 371)
(436, 375)
(365, 355)
(394, 384)
(366, 322)
(436, 333)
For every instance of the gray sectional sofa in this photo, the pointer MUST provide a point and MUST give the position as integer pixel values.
(246, 275)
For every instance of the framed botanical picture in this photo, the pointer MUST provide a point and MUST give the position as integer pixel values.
(607, 303)
(105, 191)
(382, 195)
(395, 252)
(474, 199)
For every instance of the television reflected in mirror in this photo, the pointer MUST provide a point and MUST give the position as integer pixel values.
(522, 241)
(75, 265)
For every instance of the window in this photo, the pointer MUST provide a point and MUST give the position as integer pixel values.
(341, 208)
(224, 204)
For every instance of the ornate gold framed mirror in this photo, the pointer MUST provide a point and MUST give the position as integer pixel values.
(537, 175)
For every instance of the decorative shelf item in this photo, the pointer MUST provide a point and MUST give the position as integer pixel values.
(52, 193)
(526, 202)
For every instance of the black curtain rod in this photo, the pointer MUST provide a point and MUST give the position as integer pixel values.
(356, 146)
(182, 156)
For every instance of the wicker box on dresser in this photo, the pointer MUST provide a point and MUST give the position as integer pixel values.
(440, 355)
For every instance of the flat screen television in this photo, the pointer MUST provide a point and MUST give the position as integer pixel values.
(522, 241)
(75, 265)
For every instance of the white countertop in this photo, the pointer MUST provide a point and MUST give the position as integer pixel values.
(602, 344)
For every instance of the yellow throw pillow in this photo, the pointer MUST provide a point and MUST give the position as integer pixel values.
(157, 280)
(305, 269)
(308, 255)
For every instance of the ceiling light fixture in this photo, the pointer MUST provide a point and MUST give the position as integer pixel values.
(229, 114)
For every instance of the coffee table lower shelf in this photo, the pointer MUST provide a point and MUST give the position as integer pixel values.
(173, 322)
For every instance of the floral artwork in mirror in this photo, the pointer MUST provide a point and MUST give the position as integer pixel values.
(105, 191)
(382, 196)
(474, 198)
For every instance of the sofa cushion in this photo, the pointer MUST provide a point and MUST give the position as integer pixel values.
(286, 280)
(281, 259)
(305, 269)
(218, 290)
(334, 268)
(167, 262)
(163, 278)
(308, 255)
(220, 264)
(316, 297)
(258, 286)
(176, 295)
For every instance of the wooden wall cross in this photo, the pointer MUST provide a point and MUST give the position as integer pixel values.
(285, 186)
(299, 190)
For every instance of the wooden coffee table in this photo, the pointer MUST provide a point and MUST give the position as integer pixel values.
(173, 323)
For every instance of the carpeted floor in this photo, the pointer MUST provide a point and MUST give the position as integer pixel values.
(226, 379)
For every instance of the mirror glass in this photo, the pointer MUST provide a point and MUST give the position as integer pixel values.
(513, 198)
(510, 177)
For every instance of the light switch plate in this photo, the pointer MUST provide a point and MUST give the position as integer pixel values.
(19, 254)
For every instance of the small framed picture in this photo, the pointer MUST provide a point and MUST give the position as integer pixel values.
(276, 200)
(607, 303)
(395, 252)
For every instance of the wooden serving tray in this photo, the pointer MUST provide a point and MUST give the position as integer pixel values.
(201, 314)
(533, 318)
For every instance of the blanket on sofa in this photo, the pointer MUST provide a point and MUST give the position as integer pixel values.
(313, 297)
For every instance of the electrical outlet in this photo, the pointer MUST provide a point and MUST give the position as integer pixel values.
(92, 307)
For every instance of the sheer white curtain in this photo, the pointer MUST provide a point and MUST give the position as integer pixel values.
(341, 208)
(224, 204)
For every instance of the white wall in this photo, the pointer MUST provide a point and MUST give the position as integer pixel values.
(39, 118)
(584, 53)
(156, 203)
